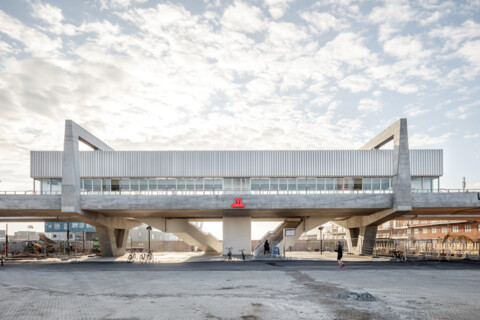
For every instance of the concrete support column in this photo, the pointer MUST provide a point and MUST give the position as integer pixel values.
(113, 242)
(352, 239)
(237, 233)
(361, 240)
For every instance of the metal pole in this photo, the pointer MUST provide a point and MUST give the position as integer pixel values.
(149, 228)
(68, 237)
(6, 240)
(83, 245)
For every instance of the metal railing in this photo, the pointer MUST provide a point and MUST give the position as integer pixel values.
(233, 192)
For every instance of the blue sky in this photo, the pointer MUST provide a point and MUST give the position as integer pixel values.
(274, 74)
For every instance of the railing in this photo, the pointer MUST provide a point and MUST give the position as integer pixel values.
(233, 192)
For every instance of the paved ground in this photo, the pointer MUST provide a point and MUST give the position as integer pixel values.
(270, 289)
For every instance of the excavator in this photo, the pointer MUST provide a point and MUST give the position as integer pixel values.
(37, 246)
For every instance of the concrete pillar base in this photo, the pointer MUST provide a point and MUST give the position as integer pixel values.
(112, 241)
(237, 234)
(361, 240)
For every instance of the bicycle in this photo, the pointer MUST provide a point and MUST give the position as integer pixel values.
(149, 257)
(229, 253)
(131, 257)
(143, 257)
(243, 254)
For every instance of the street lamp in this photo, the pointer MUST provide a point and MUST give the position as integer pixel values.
(321, 240)
(149, 228)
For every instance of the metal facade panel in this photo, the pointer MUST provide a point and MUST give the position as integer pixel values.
(314, 163)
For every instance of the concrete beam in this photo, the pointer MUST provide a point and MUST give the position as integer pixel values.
(70, 198)
(401, 180)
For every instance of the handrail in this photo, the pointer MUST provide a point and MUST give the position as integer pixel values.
(233, 192)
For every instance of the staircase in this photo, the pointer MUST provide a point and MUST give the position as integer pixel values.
(274, 238)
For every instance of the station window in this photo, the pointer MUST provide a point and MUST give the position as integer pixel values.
(455, 229)
(444, 230)
(367, 183)
(425, 230)
(468, 228)
(282, 184)
(434, 230)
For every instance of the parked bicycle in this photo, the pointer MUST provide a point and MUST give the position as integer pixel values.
(131, 257)
(149, 257)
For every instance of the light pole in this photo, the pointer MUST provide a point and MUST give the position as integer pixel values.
(28, 233)
(149, 229)
(321, 240)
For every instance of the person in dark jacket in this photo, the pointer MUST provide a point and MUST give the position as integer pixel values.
(340, 255)
(266, 247)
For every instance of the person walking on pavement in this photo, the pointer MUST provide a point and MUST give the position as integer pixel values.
(266, 247)
(340, 255)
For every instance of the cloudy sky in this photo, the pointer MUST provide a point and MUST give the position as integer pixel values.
(273, 74)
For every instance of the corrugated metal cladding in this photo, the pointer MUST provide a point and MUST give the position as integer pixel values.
(321, 163)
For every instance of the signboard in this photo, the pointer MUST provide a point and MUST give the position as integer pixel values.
(276, 251)
(289, 232)
(74, 227)
(238, 203)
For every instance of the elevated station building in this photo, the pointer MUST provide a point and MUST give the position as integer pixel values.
(119, 190)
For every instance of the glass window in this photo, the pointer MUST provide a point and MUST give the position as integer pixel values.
(199, 184)
(385, 183)
(274, 184)
(367, 183)
(87, 184)
(124, 184)
(444, 230)
(434, 230)
(228, 184)
(409, 231)
(292, 184)
(264, 184)
(56, 226)
(107, 185)
(416, 231)
(115, 184)
(152, 184)
(143, 184)
(134, 184)
(427, 184)
(375, 183)
(282, 184)
(311, 184)
(217, 184)
(172, 184)
(348, 183)
(339, 183)
(56, 186)
(97, 184)
(478, 227)
(190, 184)
(320, 183)
(425, 230)
(162, 184)
(416, 184)
(357, 183)
(468, 228)
(255, 184)
(302, 184)
(181, 184)
(455, 229)
(74, 225)
(330, 183)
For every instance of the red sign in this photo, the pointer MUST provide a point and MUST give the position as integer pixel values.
(238, 203)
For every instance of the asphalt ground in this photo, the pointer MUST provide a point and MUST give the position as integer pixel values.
(268, 289)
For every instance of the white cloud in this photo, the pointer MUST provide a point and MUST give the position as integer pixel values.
(453, 36)
(393, 12)
(470, 51)
(369, 105)
(277, 8)
(48, 13)
(243, 17)
(472, 136)
(406, 47)
(35, 42)
(321, 22)
(463, 112)
(421, 139)
(356, 83)
(414, 111)
(118, 4)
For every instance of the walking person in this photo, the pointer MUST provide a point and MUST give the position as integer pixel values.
(266, 247)
(340, 255)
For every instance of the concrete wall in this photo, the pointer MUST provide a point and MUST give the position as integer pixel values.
(237, 233)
